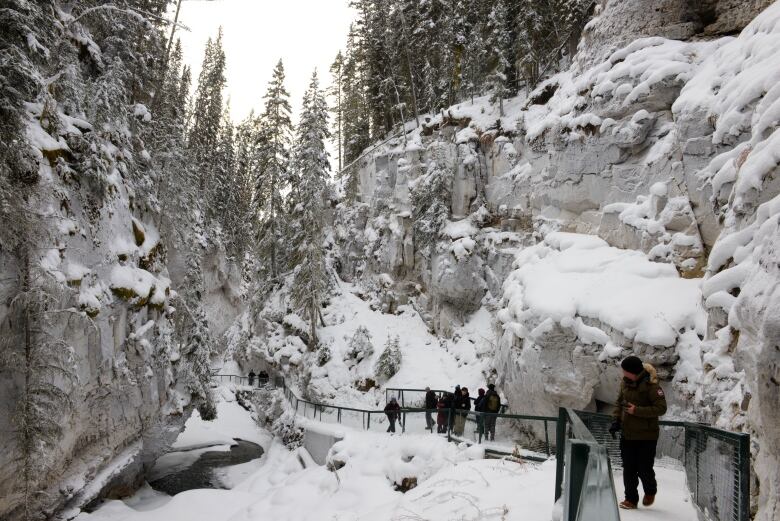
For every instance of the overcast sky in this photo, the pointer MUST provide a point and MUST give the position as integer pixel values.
(304, 33)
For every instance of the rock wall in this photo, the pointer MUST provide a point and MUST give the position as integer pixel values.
(658, 140)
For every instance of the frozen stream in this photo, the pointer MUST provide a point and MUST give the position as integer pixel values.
(200, 474)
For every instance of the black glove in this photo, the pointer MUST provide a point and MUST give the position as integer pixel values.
(614, 428)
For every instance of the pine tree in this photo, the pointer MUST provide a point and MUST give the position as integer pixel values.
(207, 116)
(431, 197)
(360, 346)
(309, 191)
(355, 113)
(499, 45)
(336, 92)
(389, 361)
(225, 194)
(272, 176)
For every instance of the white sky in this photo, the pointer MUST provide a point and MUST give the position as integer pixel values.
(304, 33)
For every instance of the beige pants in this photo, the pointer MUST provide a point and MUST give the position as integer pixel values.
(460, 423)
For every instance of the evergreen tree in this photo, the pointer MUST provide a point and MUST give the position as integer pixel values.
(431, 196)
(360, 346)
(499, 45)
(272, 175)
(309, 192)
(207, 110)
(389, 361)
(336, 92)
(225, 194)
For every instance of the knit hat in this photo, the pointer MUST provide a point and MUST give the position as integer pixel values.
(491, 387)
(632, 364)
(481, 391)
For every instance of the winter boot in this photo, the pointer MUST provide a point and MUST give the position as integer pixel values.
(648, 500)
(627, 505)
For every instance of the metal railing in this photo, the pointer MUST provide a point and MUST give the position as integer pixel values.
(716, 462)
(241, 380)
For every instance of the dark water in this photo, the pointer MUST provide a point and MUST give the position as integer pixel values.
(201, 473)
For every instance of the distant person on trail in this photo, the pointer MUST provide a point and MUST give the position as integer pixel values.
(393, 412)
(430, 405)
(449, 403)
(251, 377)
(463, 405)
(640, 402)
(442, 415)
(479, 407)
(492, 405)
(454, 399)
(262, 377)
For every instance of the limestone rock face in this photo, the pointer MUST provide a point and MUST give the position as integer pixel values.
(652, 142)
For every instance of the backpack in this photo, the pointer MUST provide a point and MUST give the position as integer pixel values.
(493, 403)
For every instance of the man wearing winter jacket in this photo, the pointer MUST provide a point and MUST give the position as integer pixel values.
(479, 407)
(393, 413)
(640, 402)
(492, 405)
(430, 405)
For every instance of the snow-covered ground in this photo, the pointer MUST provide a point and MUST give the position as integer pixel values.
(454, 482)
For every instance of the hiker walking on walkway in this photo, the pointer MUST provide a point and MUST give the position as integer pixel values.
(251, 378)
(492, 407)
(640, 402)
(462, 406)
(430, 406)
(393, 413)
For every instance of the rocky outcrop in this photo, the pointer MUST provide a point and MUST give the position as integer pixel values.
(656, 145)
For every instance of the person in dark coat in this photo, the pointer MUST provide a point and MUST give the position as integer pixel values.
(462, 405)
(393, 413)
(443, 415)
(430, 406)
(251, 377)
(640, 402)
(454, 398)
(479, 407)
(492, 406)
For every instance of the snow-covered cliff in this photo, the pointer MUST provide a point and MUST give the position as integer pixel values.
(629, 204)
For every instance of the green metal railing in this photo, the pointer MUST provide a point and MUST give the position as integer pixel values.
(584, 473)
(716, 462)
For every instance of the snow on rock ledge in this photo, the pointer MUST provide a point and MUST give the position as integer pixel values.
(574, 302)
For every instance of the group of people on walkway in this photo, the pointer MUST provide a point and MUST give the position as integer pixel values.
(452, 409)
(262, 377)
(640, 403)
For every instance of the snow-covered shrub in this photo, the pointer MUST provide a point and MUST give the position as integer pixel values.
(360, 346)
(390, 360)
(323, 354)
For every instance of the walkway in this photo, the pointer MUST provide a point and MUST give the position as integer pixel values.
(534, 438)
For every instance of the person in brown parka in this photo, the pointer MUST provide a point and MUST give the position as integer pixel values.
(640, 402)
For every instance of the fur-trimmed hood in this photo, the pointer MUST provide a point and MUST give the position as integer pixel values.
(652, 375)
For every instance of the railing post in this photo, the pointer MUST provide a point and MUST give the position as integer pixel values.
(449, 425)
(744, 477)
(546, 439)
(560, 445)
(577, 453)
(403, 422)
(368, 424)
